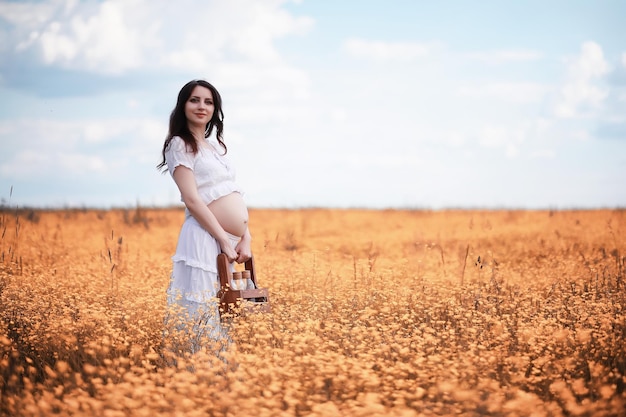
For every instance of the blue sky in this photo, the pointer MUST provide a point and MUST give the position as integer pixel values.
(408, 104)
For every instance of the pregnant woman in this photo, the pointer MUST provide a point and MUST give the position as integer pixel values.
(216, 217)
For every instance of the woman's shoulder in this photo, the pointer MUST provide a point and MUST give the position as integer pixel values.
(177, 141)
(178, 144)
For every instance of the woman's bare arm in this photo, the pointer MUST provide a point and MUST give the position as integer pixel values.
(184, 179)
(243, 248)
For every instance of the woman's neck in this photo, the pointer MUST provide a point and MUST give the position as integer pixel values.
(197, 133)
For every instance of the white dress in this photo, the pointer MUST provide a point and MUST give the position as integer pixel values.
(194, 283)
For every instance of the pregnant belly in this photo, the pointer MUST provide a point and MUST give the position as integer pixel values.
(231, 212)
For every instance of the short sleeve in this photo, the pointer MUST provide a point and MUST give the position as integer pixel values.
(177, 154)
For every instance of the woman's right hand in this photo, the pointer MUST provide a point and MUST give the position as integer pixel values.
(230, 253)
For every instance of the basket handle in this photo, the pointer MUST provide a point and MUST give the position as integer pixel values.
(225, 274)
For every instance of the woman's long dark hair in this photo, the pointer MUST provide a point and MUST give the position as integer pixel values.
(178, 120)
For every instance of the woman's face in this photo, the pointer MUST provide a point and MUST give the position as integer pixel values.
(199, 107)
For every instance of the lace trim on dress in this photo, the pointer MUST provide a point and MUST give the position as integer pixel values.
(216, 191)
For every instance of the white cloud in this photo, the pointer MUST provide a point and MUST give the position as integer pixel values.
(518, 92)
(591, 62)
(624, 59)
(338, 114)
(66, 148)
(264, 24)
(389, 51)
(455, 138)
(55, 46)
(271, 82)
(48, 134)
(543, 154)
(491, 136)
(35, 164)
(27, 19)
(115, 36)
(511, 151)
(42, 134)
(505, 55)
(95, 132)
(107, 37)
(583, 91)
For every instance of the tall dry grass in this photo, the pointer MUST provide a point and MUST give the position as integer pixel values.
(407, 313)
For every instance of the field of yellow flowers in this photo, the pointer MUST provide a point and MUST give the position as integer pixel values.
(374, 312)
